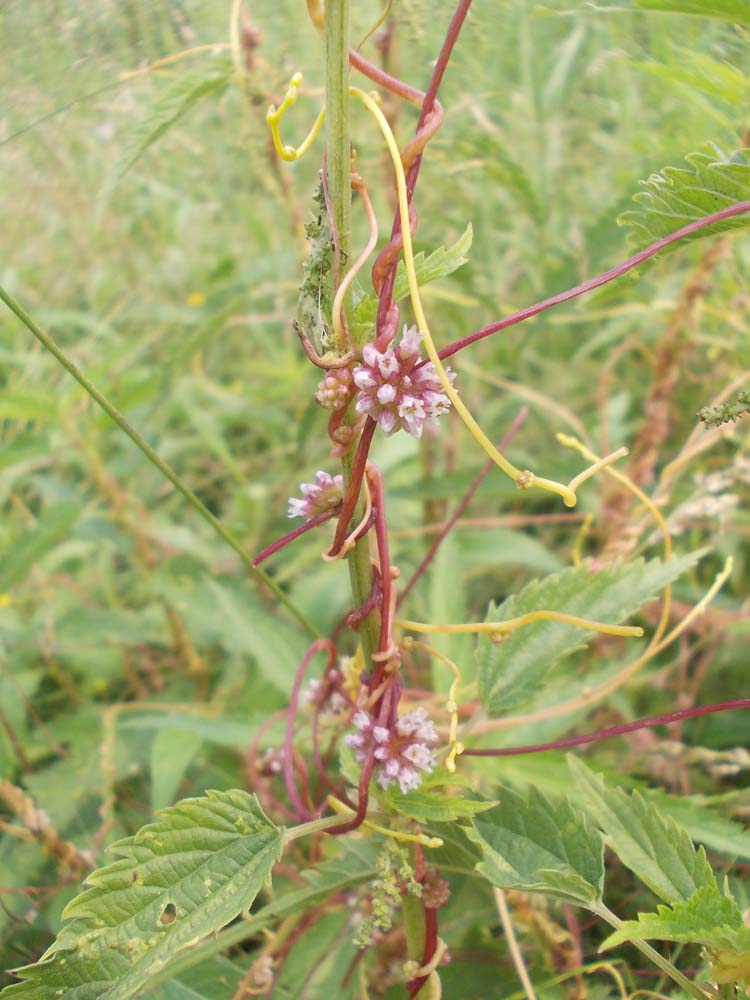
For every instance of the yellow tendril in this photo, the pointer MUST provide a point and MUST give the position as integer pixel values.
(274, 116)
(413, 970)
(412, 838)
(511, 624)
(592, 695)
(524, 479)
(571, 442)
(456, 747)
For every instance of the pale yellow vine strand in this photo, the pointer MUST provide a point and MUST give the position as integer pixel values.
(571, 442)
(511, 624)
(455, 746)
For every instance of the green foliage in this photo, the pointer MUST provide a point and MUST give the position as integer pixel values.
(679, 195)
(50, 530)
(172, 105)
(138, 662)
(651, 844)
(510, 672)
(175, 882)
(439, 264)
(536, 845)
(735, 11)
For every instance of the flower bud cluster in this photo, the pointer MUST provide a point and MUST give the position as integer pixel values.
(402, 753)
(397, 388)
(335, 389)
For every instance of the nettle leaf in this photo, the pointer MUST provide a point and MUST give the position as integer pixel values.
(355, 863)
(510, 672)
(708, 918)
(536, 845)
(176, 881)
(652, 845)
(172, 104)
(440, 263)
(679, 195)
(431, 803)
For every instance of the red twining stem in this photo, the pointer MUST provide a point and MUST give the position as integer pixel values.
(604, 734)
(429, 120)
(430, 944)
(290, 537)
(592, 283)
(355, 485)
(375, 482)
(465, 501)
(392, 83)
(318, 646)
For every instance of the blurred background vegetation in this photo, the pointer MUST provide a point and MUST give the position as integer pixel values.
(136, 658)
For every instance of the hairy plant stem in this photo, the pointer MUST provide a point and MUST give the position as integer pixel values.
(340, 196)
(165, 469)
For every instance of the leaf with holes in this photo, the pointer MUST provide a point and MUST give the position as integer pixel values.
(176, 881)
(511, 672)
(679, 195)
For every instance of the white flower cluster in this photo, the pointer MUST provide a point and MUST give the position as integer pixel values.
(402, 753)
(319, 497)
(397, 388)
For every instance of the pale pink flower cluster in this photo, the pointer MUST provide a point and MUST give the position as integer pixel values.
(396, 389)
(319, 497)
(335, 389)
(400, 753)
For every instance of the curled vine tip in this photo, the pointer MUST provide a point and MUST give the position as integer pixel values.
(274, 116)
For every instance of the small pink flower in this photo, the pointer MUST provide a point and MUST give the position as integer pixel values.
(319, 497)
(402, 753)
(397, 388)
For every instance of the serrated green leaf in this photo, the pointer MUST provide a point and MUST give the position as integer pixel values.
(355, 864)
(440, 263)
(679, 195)
(537, 845)
(511, 672)
(708, 918)
(652, 845)
(172, 104)
(426, 805)
(175, 882)
(737, 11)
